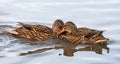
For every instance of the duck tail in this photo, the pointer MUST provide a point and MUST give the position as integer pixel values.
(99, 33)
(22, 24)
(26, 26)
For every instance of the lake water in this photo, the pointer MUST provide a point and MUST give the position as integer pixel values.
(97, 14)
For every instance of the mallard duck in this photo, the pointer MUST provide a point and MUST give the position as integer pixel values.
(38, 32)
(81, 35)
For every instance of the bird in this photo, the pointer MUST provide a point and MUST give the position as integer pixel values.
(81, 35)
(38, 32)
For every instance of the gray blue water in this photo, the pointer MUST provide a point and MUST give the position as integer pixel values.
(97, 14)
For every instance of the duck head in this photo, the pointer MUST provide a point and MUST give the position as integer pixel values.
(57, 26)
(69, 28)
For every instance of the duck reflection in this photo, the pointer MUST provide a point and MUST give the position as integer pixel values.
(69, 49)
(98, 49)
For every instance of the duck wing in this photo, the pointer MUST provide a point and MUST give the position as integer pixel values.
(38, 28)
(76, 39)
(89, 33)
(100, 39)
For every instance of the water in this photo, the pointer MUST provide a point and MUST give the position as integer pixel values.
(97, 14)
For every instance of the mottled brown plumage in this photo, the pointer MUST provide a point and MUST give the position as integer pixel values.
(33, 32)
(82, 35)
(89, 33)
(67, 31)
(38, 32)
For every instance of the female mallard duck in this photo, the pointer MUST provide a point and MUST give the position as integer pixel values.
(81, 35)
(38, 32)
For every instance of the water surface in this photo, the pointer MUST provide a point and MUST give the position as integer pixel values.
(97, 14)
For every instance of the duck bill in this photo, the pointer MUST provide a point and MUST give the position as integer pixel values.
(61, 31)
